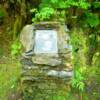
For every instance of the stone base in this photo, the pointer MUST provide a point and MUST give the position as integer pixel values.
(45, 89)
(41, 82)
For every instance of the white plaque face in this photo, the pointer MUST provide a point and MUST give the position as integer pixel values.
(45, 41)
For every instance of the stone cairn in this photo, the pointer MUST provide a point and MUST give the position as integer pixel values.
(46, 62)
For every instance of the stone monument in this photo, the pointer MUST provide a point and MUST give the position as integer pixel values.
(47, 60)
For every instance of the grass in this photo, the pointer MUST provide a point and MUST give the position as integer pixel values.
(9, 75)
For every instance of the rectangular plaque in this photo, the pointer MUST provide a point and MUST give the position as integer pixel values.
(45, 41)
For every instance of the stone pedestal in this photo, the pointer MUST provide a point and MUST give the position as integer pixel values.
(46, 72)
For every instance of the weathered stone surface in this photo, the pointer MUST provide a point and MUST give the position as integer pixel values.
(46, 73)
(27, 62)
(45, 89)
(47, 25)
(53, 73)
(46, 60)
(60, 74)
(27, 37)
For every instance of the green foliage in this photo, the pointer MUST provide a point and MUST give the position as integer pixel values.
(96, 58)
(53, 3)
(50, 8)
(44, 14)
(91, 19)
(66, 4)
(79, 43)
(96, 4)
(77, 81)
(83, 4)
(84, 74)
(15, 48)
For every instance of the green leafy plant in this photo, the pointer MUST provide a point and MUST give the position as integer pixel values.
(79, 48)
(91, 19)
(15, 48)
(83, 4)
(96, 4)
(44, 14)
(78, 81)
(48, 10)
